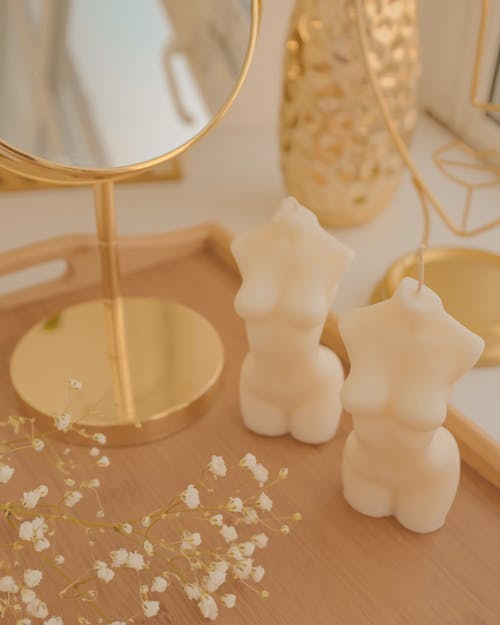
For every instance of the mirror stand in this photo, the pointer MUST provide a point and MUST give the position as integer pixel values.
(149, 366)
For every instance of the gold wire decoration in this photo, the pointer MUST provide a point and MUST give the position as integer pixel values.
(426, 195)
(466, 279)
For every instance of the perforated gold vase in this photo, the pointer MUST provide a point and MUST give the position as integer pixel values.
(337, 157)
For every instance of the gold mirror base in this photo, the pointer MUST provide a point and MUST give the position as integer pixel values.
(174, 360)
(468, 282)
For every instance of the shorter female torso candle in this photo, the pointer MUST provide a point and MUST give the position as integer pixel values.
(290, 269)
(405, 355)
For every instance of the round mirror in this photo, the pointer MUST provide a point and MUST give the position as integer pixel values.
(90, 86)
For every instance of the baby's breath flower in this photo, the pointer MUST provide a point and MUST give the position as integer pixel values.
(219, 565)
(27, 595)
(208, 607)
(150, 608)
(32, 577)
(234, 504)
(59, 559)
(94, 483)
(38, 444)
(260, 473)
(217, 520)
(34, 531)
(104, 573)
(208, 585)
(214, 580)
(118, 623)
(234, 553)
(159, 584)
(76, 385)
(264, 502)
(62, 422)
(229, 600)
(135, 561)
(249, 461)
(242, 568)
(192, 591)
(260, 540)
(146, 521)
(6, 473)
(99, 438)
(37, 608)
(148, 548)
(31, 498)
(217, 466)
(54, 620)
(190, 540)
(72, 498)
(228, 532)
(69, 481)
(283, 474)
(24, 621)
(41, 544)
(250, 516)
(191, 497)
(257, 573)
(26, 530)
(103, 462)
(284, 529)
(119, 558)
(94, 452)
(8, 584)
(296, 516)
(126, 527)
(247, 548)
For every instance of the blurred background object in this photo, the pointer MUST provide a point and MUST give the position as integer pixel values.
(338, 158)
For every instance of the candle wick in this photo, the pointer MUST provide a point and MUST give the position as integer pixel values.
(421, 267)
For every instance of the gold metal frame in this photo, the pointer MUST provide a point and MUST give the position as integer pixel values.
(168, 171)
(448, 264)
(115, 307)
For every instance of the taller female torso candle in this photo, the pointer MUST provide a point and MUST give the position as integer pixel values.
(405, 355)
(290, 269)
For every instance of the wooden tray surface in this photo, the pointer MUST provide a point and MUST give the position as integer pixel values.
(337, 567)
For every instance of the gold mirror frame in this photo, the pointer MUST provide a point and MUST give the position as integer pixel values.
(36, 168)
(186, 357)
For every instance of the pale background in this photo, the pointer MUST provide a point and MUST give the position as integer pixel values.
(233, 176)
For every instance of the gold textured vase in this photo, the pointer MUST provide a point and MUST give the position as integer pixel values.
(337, 157)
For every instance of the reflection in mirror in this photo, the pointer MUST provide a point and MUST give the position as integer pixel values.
(111, 83)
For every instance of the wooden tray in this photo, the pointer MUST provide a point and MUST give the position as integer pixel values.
(337, 567)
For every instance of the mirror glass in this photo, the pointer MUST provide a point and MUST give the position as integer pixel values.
(112, 83)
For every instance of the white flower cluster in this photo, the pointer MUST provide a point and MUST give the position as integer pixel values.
(34, 531)
(258, 470)
(203, 572)
(24, 589)
(130, 559)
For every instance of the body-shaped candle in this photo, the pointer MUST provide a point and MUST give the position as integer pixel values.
(290, 269)
(405, 355)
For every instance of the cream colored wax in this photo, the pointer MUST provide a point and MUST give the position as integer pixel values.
(405, 355)
(290, 270)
